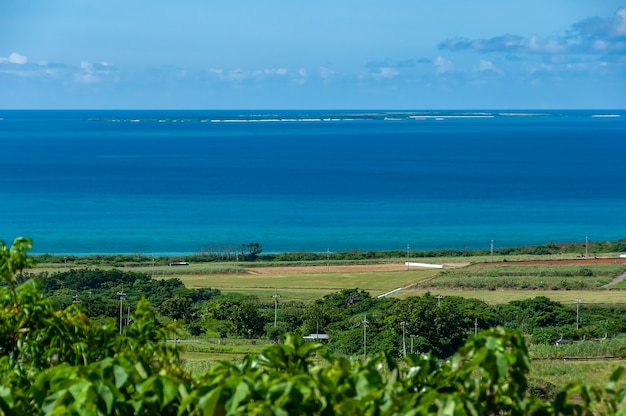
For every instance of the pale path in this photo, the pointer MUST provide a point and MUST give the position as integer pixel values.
(616, 280)
(382, 267)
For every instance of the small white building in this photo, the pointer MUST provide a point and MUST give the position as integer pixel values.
(316, 337)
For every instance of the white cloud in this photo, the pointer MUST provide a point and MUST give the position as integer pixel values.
(268, 72)
(237, 75)
(388, 72)
(217, 71)
(93, 73)
(245, 75)
(592, 36)
(488, 66)
(385, 73)
(18, 65)
(619, 22)
(14, 58)
(300, 76)
(443, 65)
(326, 73)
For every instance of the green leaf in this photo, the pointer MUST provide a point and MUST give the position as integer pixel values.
(208, 402)
(241, 392)
(6, 399)
(120, 375)
(106, 396)
(141, 369)
(503, 365)
(492, 343)
(617, 374)
(170, 390)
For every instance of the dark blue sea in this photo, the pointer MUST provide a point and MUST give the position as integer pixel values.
(180, 182)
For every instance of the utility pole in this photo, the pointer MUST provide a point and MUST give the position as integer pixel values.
(439, 297)
(275, 296)
(403, 323)
(328, 259)
(153, 266)
(586, 247)
(121, 294)
(236, 262)
(65, 261)
(475, 326)
(491, 250)
(412, 337)
(578, 301)
(364, 322)
(408, 256)
(75, 297)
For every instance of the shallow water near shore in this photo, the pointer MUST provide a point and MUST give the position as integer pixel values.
(179, 182)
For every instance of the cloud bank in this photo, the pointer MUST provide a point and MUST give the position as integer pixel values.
(592, 36)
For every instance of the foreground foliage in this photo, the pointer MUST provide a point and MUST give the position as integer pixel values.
(59, 362)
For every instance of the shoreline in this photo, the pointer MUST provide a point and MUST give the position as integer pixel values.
(573, 251)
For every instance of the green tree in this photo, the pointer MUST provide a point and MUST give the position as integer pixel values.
(319, 316)
(178, 307)
(254, 250)
(538, 312)
(438, 326)
(239, 316)
(14, 259)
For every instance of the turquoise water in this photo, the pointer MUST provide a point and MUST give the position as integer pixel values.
(170, 182)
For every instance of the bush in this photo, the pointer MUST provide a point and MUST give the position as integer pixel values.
(59, 362)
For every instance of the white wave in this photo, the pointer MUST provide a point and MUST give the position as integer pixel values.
(442, 117)
(520, 114)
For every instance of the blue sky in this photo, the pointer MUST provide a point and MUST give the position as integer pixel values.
(342, 54)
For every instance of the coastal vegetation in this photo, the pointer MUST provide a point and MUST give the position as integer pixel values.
(253, 251)
(136, 309)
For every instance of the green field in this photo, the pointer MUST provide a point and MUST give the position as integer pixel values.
(548, 375)
(496, 284)
(304, 286)
(494, 297)
(529, 276)
(310, 286)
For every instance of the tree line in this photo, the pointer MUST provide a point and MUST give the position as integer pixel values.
(253, 251)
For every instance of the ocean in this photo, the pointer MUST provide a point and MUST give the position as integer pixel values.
(183, 182)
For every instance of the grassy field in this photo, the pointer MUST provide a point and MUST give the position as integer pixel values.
(500, 282)
(547, 377)
(529, 277)
(545, 374)
(310, 286)
(495, 297)
(305, 286)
